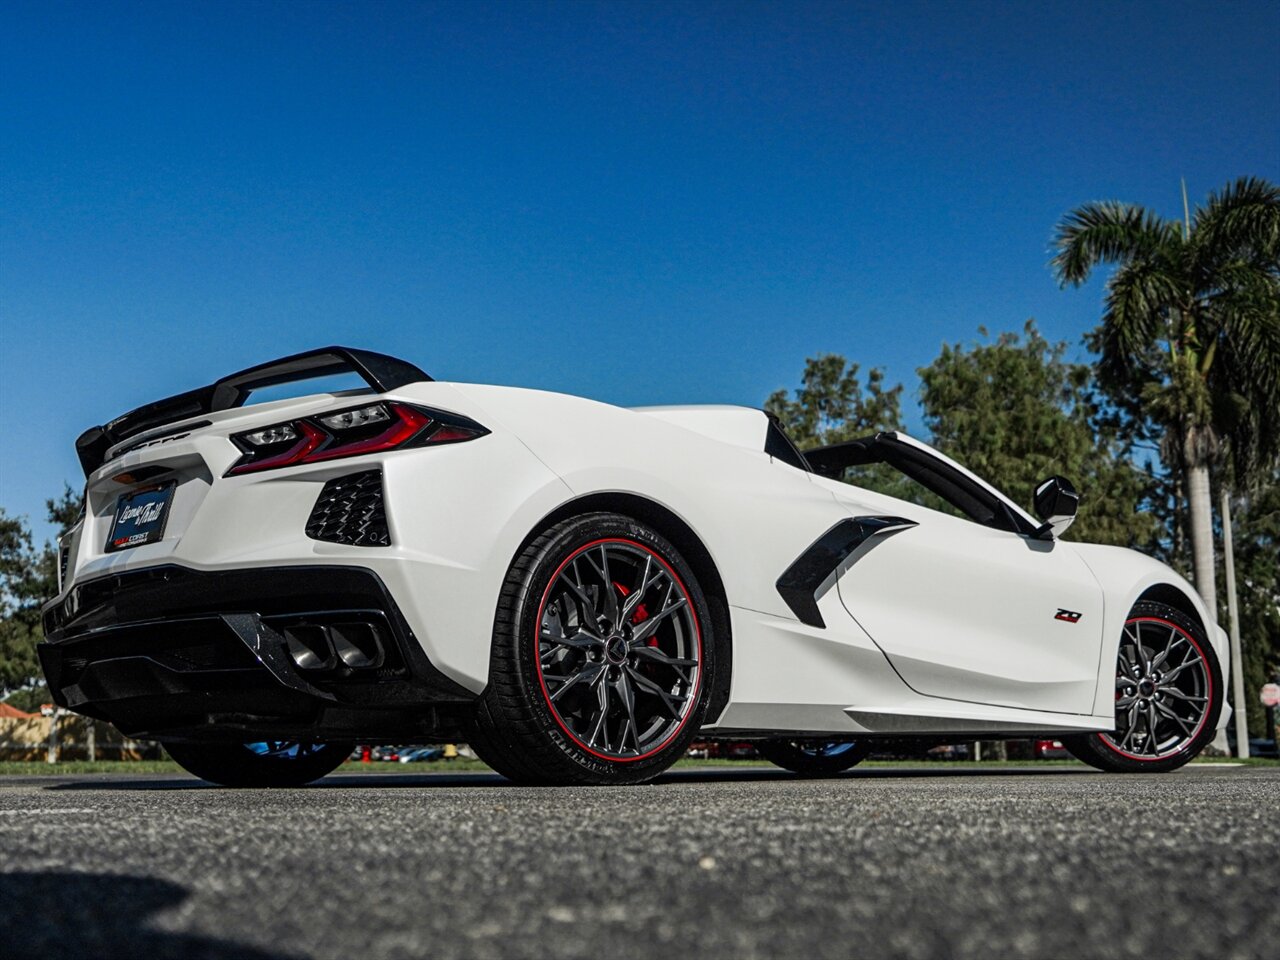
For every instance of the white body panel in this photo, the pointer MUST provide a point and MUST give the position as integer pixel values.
(987, 632)
(944, 627)
(740, 426)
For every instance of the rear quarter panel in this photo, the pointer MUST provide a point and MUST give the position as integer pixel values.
(754, 515)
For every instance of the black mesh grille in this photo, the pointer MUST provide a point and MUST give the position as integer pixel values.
(349, 510)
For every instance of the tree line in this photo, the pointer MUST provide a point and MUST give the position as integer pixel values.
(28, 577)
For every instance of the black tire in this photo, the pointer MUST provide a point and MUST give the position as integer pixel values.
(1196, 675)
(276, 764)
(814, 758)
(520, 729)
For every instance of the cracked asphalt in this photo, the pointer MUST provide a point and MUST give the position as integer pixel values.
(1050, 861)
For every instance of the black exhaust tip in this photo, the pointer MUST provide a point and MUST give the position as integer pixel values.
(356, 644)
(309, 647)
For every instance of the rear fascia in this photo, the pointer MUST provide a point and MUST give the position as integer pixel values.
(457, 514)
(173, 652)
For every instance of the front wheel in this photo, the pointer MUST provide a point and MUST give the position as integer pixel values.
(1169, 693)
(272, 763)
(602, 657)
(814, 758)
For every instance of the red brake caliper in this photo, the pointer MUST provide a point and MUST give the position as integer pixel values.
(640, 615)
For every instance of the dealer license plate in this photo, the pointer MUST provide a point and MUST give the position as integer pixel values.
(140, 517)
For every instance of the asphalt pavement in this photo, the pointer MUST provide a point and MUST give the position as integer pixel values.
(882, 862)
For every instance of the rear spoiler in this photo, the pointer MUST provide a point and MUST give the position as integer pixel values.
(380, 372)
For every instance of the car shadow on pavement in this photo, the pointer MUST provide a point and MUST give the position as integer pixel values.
(419, 781)
(336, 781)
(64, 914)
(869, 773)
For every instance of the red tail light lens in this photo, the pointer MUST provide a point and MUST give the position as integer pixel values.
(300, 441)
(405, 424)
(372, 428)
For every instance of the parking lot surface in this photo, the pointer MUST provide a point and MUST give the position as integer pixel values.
(883, 862)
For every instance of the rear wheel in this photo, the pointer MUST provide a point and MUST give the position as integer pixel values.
(274, 763)
(814, 758)
(1169, 693)
(601, 665)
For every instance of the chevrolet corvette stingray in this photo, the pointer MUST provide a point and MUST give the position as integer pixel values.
(578, 589)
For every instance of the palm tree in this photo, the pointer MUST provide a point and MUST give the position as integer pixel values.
(1192, 327)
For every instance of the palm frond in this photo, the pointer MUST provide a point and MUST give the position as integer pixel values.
(1241, 221)
(1251, 334)
(1245, 379)
(1107, 232)
(1140, 297)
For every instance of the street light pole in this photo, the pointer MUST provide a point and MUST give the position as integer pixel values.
(1233, 614)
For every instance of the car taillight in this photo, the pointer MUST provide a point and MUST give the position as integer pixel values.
(371, 428)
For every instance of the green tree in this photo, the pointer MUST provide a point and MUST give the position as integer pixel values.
(20, 596)
(1014, 411)
(831, 404)
(1256, 526)
(1190, 331)
(28, 577)
(64, 510)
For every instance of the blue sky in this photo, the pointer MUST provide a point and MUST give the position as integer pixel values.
(639, 202)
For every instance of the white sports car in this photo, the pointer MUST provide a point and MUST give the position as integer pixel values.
(578, 590)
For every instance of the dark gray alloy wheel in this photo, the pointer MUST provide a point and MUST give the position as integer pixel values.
(814, 758)
(1169, 693)
(601, 660)
(273, 763)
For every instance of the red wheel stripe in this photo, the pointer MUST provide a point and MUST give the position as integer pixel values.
(697, 630)
(1208, 706)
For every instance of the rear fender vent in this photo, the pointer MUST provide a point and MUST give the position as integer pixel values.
(350, 510)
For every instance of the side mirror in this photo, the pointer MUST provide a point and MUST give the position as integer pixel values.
(1055, 501)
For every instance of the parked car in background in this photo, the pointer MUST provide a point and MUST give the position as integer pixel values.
(421, 754)
(1051, 750)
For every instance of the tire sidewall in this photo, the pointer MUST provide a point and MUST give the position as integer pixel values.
(1094, 749)
(573, 536)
